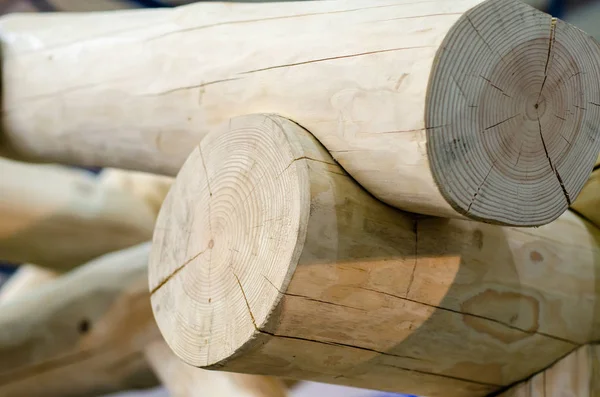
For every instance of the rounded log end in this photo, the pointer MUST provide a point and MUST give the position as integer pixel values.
(513, 110)
(228, 238)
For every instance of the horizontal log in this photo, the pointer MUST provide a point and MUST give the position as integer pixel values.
(120, 347)
(60, 218)
(150, 188)
(578, 374)
(268, 258)
(588, 202)
(390, 87)
(82, 334)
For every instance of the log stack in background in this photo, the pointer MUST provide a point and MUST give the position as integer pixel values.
(419, 102)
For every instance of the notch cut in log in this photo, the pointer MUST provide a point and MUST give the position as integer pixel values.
(61, 218)
(268, 258)
(577, 375)
(467, 108)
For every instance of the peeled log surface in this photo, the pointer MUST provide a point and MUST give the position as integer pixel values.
(115, 353)
(484, 109)
(82, 334)
(268, 258)
(588, 202)
(61, 218)
(183, 380)
(576, 375)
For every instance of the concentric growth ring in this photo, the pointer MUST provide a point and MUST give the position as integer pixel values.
(513, 114)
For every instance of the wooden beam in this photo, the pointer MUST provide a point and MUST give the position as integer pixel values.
(60, 218)
(390, 87)
(268, 258)
(578, 374)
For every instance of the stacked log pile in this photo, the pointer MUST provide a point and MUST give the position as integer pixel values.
(367, 193)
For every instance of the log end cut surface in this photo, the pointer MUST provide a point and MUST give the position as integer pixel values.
(236, 212)
(513, 114)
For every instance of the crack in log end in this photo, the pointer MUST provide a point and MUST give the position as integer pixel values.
(554, 170)
(495, 86)
(502, 122)
(551, 40)
(482, 39)
(245, 300)
(177, 270)
(481, 185)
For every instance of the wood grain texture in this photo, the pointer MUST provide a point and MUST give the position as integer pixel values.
(81, 334)
(484, 109)
(61, 218)
(576, 375)
(268, 258)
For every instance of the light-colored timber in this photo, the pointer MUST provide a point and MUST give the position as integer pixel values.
(577, 375)
(82, 334)
(268, 258)
(588, 202)
(183, 380)
(60, 218)
(484, 109)
(150, 188)
(105, 349)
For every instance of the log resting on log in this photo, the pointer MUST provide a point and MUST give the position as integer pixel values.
(80, 338)
(268, 258)
(466, 108)
(576, 375)
(60, 218)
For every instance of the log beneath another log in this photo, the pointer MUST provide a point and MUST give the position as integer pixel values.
(576, 375)
(268, 258)
(484, 109)
(60, 218)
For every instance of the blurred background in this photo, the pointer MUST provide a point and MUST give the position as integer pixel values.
(584, 14)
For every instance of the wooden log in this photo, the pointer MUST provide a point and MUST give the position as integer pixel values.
(588, 202)
(484, 109)
(268, 258)
(82, 334)
(47, 346)
(577, 375)
(183, 380)
(151, 188)
(60, 218)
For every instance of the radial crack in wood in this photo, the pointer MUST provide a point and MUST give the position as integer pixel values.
(306, 275)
